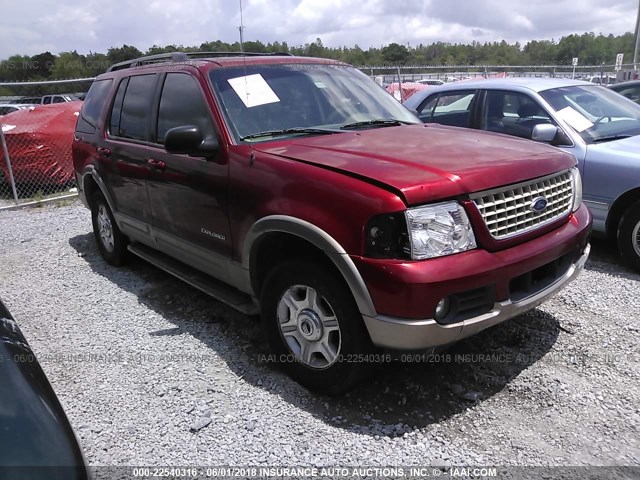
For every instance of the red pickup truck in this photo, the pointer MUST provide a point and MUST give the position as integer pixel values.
(298, 189)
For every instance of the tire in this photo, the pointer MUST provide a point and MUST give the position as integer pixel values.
(327, 324)
(112, 244)
(629, 236)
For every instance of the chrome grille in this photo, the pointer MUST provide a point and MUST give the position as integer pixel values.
(508, 211)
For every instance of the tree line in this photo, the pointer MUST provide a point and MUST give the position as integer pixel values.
(590, 48)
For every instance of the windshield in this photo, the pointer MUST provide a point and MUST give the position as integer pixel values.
(596, 113)
(261, 102)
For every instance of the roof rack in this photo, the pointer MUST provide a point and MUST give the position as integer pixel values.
(177, 57)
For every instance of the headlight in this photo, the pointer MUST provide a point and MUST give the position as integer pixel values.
(438, 230)
(386, 237)
(577, 188)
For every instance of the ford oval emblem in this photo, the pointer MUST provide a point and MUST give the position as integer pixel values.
(539, 204)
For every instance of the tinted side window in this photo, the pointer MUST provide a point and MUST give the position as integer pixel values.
(92, 106)
(136, 107)
(455, 102)
(632, 93)
(512, 113)
(182, 103)
(58, 100)
(46, 100)
(425, 111)
(452, 108)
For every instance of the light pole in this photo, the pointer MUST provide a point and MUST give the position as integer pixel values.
(241, 29)
(635, 51)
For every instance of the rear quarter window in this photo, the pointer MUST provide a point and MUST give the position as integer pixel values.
(116, 109)
(92, 106)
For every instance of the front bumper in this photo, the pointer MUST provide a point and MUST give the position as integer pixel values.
(401, 334)
(405, 294)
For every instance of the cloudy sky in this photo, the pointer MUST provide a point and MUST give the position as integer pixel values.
(34, 26)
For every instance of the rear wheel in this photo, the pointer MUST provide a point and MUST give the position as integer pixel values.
(112, 244)
(315, 328)
(629, 236)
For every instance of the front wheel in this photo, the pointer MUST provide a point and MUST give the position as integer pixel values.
(314, 327)
(629, 235)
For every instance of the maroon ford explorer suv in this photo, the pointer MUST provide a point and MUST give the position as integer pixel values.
(298, 189)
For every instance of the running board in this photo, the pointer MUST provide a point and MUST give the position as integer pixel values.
(209, 285)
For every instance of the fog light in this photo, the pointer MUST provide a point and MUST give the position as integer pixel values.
(443, 308)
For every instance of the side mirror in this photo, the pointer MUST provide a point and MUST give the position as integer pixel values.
(544, 132)
(208, 147)
(188, 140)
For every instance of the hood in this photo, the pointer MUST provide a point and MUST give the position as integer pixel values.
(428, 162)
(625, 147)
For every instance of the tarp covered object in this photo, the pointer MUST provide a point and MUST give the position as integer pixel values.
(39, 143)
(408, 89)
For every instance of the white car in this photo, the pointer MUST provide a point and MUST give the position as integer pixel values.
(11, 107)
(49, 99)
(430, 81)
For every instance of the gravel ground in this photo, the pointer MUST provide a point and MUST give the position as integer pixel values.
(6, 200)
(177, 378)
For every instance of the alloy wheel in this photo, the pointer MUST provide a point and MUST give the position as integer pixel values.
(309, 327)
(106, 229)
(635, 239)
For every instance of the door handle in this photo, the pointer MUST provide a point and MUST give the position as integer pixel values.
(104, 152)
(157, 164)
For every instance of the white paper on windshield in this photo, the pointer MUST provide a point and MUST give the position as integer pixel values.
(7, 128)
(574, 118)
(253, 90)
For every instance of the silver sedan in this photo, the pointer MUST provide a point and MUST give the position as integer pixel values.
(600, 127)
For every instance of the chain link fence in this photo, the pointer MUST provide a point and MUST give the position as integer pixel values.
(37, 121)
(597, 74)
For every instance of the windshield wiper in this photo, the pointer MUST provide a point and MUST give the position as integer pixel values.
(290, 131)
(611, 137)
(378, 122)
